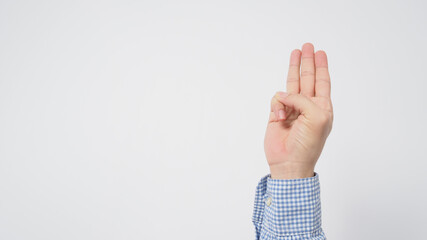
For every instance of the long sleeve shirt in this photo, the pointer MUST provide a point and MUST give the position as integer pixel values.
(288, 209)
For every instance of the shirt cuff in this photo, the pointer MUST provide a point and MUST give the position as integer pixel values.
(292, 207)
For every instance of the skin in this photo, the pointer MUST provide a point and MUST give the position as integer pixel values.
(301, 118)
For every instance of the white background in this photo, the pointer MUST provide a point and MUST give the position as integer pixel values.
(145, 120)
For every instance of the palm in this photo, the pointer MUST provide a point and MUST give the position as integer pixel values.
(298, 137)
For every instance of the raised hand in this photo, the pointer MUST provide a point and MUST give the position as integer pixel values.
(301, 118)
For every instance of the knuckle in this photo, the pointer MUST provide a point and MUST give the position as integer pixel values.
(292, 79)
(325, 119)
(276, 94)
(307, 73)
(274, 103)
(323, 80)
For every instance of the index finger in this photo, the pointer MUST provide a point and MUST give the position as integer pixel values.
(323, 80)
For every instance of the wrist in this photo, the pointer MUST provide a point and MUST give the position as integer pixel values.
(291, 171)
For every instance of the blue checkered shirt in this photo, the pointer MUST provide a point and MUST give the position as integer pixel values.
(288, 209)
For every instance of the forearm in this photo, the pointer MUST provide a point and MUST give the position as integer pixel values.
(288, 209)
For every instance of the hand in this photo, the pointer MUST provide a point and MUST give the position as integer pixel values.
(300, 119)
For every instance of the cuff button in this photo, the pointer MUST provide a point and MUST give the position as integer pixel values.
(268, 201)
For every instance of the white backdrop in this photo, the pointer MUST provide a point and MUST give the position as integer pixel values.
(145, 120)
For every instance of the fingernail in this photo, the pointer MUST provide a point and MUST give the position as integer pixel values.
(283, 94)
(282, 114)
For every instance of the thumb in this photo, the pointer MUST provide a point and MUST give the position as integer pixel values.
(298, 102)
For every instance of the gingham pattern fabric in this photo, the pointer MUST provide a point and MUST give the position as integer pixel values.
(288, 209)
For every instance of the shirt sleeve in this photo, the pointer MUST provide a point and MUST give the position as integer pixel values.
(288, 209)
